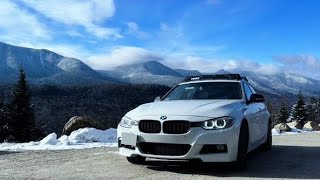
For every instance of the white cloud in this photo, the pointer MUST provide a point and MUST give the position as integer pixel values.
(103, 32)
(173, 41)
(74, 51)
(134, 29)
(17, 25)
(125, 55)
(74, 33)
(302, 64)
(88, 14)
(213, 65)
(121, 55)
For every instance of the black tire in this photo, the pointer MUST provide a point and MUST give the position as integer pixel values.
(241, 162)
(137, 160)
(267, 146)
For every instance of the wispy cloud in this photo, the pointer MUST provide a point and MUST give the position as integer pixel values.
(303, 64)
(173, 40)
(134, 29)
(121, 55)
(68, 50)
(126, 55)
(208, 65)
(87, 14)
(17, 25)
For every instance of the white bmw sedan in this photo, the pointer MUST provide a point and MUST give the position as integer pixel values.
(211, 118)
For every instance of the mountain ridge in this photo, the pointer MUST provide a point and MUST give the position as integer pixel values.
(41, 65)
(46, 67)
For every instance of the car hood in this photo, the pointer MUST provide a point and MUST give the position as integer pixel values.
(205, 108)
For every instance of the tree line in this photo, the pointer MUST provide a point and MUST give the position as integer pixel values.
(301, 111)
(28, 113)
(53, 106)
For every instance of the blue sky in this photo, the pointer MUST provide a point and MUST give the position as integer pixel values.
(267, 36)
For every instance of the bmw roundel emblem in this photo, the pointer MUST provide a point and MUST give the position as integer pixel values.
(163, 117)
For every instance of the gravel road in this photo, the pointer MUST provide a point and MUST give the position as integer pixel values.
(292, 157)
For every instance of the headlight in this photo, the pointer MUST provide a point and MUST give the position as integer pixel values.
(218, 123)
(127, 122)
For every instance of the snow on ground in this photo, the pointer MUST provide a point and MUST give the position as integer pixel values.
(79, 139)
(293, 131)
(89, 138)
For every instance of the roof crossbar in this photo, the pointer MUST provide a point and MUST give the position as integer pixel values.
(215, 77)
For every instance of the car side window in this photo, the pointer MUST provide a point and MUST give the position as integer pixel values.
(252, 90)
(247, 91)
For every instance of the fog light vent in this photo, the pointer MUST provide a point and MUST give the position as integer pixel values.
(214, 148)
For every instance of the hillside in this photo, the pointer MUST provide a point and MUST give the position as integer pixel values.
(45, 67)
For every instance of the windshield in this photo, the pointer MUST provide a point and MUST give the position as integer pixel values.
(206, 90)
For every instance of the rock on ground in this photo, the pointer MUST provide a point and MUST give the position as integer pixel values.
(78, 122)
(282, 127)
(311, 126)
(294, 124)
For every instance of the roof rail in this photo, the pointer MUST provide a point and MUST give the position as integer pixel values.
(215, 77)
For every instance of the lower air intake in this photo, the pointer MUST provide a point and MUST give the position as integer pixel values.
(165, 149)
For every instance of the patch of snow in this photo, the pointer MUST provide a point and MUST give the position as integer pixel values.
(50, 139)
(89, 135)
(276, 132)
(79, 139)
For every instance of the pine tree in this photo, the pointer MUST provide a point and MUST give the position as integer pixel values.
(318, 110)
(299, 111)
(23, 120)
(312, 109)
(283, 114)
(2, 120)
(271, 110)
(1, 102)
(5, 120)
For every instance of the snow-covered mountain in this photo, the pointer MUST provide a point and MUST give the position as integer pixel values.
(283, 83)
(45, 67)
(279, 83)
(150, 72)
(156, 73)
(185, 72)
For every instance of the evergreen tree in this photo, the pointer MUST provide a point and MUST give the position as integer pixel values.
(312, 109)
(2, 120)
(1, 102)
(5, 119)
(318, 110)
(299, 112)
(23, 120)
(271, 111)
(283, 114)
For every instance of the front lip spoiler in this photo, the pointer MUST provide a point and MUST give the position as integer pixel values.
(163, 160)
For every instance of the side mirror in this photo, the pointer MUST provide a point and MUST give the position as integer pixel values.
(157, 99)
(257, 98)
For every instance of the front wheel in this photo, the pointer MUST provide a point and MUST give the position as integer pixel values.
(242, 146)
(137, 160)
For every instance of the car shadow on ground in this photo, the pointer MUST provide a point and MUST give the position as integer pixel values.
(7, 152)
(293, 162)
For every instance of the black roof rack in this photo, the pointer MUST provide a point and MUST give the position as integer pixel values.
(215, 77)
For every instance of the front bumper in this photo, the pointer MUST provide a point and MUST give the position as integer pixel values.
(197, 137)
